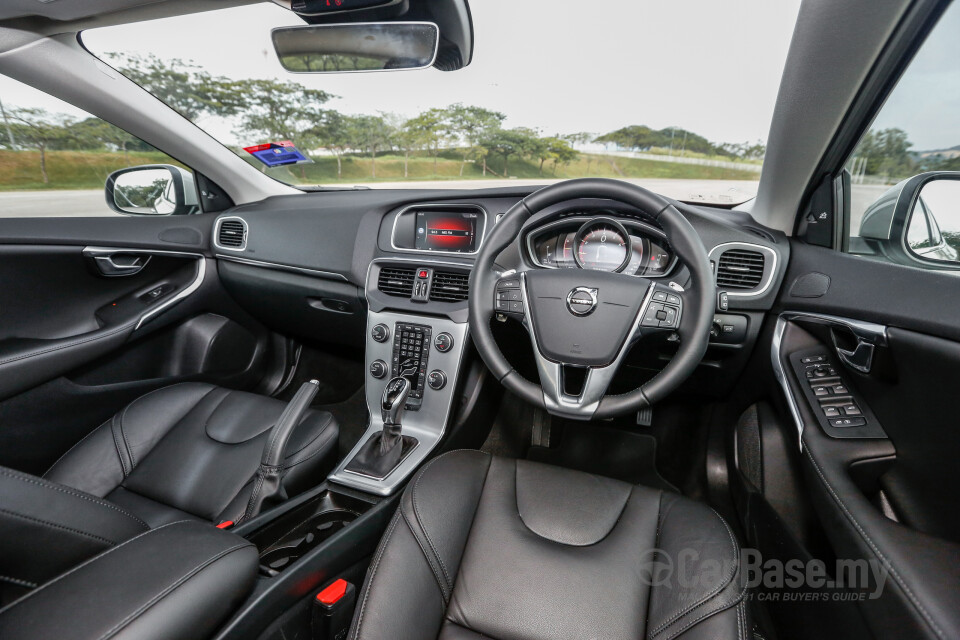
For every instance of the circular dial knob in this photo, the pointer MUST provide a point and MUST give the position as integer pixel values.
(443, 342)
(378, 369)
(380, 333)
(437, 379)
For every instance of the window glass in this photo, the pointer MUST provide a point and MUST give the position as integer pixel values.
(544, 98)
(55, 158)
(916, 131)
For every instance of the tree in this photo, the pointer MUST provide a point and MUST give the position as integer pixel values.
(94, 132)
(334, 132)
(887, 153)
(373, 133)
(429, 128)
(408, 138)
(183, 85)
(560, 151)
(281, 110)
(470, 124)
(510, 142)
(38, 129)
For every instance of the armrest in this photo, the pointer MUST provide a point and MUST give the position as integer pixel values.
(181, 580)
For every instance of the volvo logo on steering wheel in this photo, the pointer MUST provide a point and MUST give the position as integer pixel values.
(582, 301)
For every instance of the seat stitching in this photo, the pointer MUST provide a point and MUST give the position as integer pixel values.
(116, 445)
(740, 624)
(716, 590)
(82, 440)
(83, 564)
(63, 489)
(704, 616)
(416, 512)
(34, 354)
(373, 572)
(433, 568)
(19, 582)
(123, 414)
(179, 582)
(54, 525)
(875, 549)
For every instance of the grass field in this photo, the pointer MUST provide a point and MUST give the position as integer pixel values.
(20, 170)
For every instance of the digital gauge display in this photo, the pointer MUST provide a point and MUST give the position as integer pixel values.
(440, 231)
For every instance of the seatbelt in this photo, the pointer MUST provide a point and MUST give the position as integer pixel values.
(267, 486)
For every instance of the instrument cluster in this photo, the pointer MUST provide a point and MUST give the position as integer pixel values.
(605, 243)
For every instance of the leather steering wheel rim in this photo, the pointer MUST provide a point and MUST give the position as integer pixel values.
(698, 300)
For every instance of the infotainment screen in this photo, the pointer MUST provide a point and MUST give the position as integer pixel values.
(442, 231)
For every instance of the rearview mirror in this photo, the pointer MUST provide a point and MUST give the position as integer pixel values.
(917, 220)
(152, 190)
(368, 46)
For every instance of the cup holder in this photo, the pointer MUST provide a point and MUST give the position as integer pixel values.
(304, 537)
(294, 534)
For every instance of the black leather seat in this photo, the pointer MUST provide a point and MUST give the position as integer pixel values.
(485, 547)
(185, 452)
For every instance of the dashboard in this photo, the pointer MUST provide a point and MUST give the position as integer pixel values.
(601, 242)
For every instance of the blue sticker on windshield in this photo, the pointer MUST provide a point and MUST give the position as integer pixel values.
(274, 154)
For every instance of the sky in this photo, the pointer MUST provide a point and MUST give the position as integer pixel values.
(560, 66)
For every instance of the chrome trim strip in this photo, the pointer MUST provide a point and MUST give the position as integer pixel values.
(216, 233)
(437, 205)
(781, 376)
(330, 275)
(193, 286)
(768, 276)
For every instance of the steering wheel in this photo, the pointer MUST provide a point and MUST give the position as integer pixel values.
(588, 318)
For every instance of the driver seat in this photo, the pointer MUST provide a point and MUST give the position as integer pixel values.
(488, 547)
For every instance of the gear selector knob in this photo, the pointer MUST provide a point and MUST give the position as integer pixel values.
(394, 398)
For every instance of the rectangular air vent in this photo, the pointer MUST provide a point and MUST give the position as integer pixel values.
(740, 269)
(232, 233)
(396, 281)
(450, 286)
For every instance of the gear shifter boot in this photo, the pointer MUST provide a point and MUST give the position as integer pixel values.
(383, 451)
(381, 454)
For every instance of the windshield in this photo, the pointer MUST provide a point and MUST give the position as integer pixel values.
(676, 96)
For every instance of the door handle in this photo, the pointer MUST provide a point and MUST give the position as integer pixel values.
(860, 358)
(117, 264)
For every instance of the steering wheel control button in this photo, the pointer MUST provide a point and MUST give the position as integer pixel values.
(673, 299)
(509, 283)
(378, 369)
(437, 380)
(443, 342)
(659, 296)
(380, 333)
(581, 301)
(511, 295)
(650, 315)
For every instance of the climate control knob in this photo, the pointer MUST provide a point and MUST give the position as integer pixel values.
(380, 333)
(437, 379)
(443, 342)
(378, 369)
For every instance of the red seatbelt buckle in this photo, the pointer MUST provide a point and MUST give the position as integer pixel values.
(226, 524)
(333, 610)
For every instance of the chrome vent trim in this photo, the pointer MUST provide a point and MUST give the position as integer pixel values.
(231, 234)
(770, 261)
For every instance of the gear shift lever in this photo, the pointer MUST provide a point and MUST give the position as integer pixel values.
(394, 397)
(383, 451)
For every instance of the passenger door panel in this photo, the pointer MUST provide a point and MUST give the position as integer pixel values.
(76, 344)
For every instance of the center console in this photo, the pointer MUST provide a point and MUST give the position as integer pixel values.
(412, 339)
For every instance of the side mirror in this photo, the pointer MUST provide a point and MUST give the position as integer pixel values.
(366, 46)
(917, 220)
(152, 190)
